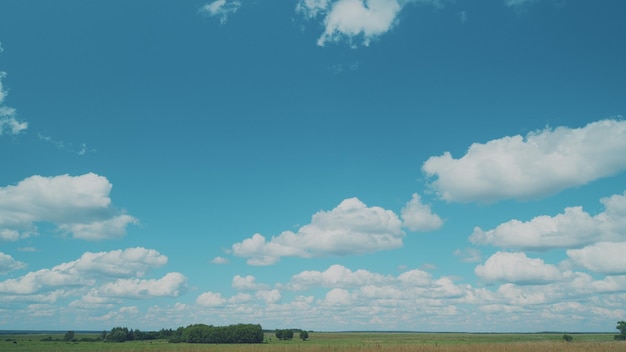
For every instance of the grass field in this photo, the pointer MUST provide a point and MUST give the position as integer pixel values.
(340, 342)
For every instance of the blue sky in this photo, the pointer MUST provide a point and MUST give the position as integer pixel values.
(325, 164)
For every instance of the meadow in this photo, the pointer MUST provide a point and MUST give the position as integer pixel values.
(338, 342)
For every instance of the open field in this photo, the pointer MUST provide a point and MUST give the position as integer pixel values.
(340, 342)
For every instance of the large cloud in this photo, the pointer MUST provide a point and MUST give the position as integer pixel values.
(517, 268)
(8, 120)
(349, 19)
(573, 228)
(79, 205)
(170, 285)
(86, 271)
(350, 228)
(604, 257)
(542, 163)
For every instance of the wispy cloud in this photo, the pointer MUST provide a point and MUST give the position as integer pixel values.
(9, 123)
(517, 3)
(82, 149)
(221, 9)
(463, 17)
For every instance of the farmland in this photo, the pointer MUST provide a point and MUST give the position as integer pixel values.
(339, 342)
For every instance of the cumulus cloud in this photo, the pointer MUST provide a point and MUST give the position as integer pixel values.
(170, 285)
(542, 163)
(219, 260)
(351, 228)
(210, 299)
(350, 19)
(571, 229)
(517, 268)
(246, 283)
(78, 205)
(9, 123)
(221, 9)
(86, 271)
(335, 276)
(417, 216)
(604, 257)
(119, 263)
(8, 263)
(269, 296)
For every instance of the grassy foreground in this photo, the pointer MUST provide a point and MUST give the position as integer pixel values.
(341, 342)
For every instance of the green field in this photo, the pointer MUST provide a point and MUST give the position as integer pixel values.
(340, 342)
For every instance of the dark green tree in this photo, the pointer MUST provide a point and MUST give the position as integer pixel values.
(284, 334)
(621, 326)
(69, 336)
(304, 335)
(118, 334)
(568, 338)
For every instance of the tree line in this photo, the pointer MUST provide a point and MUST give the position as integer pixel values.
(195, 333)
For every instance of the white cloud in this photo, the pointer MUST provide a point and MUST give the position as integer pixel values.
(86, 271)
(269, 296)
(350, 228)
(219, 260)
(604, 257)
(114, 227)
(349, 19)
(246, 283)
(338, 297)
(82, 149)
(573, 228)
(8, 120)
(419, 217)
(221, 9)
(170, 285)
(542, 163)
(8, 263)
(335, 276)
(119, 263)
(210, 299)
(517, 268)
(79, 205)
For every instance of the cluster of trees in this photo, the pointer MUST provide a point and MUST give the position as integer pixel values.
(122, 334)
(287, 334)
(201, 333)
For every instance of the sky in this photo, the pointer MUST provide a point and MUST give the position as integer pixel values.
(419, 165)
